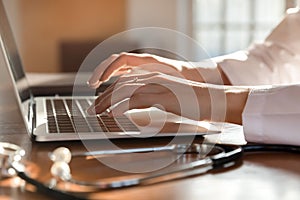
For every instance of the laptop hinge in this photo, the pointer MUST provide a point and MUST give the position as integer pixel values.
(31, 116)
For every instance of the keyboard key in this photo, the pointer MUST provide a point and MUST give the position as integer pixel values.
(67, 116)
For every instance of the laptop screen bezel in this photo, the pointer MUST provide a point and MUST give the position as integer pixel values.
(11, 53)
(14, 66)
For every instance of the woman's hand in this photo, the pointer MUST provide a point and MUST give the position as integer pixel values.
(176, 95)
(118, 64)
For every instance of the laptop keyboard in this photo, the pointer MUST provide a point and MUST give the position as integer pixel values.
(69, 116)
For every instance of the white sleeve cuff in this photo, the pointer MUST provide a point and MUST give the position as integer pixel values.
(272, 115)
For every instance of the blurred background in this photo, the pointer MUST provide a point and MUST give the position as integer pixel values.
(56, 35)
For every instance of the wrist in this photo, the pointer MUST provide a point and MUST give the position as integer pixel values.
(235, 103)
(223, 76)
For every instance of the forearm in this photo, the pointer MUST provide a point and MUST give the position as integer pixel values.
(212, 75)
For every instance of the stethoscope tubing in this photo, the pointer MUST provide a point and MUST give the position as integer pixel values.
(271, 148)
(41, 187)
(232, 155)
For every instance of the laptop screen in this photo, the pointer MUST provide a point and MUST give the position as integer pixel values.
(12, 55)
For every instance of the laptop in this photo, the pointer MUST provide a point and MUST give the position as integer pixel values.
(59, 118)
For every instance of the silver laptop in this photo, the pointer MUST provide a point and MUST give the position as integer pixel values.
(57, 118)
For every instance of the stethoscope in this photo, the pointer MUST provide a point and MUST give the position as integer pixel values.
(209, 157)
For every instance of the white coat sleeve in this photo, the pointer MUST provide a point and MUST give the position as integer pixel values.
(270, 115)
(275, 61)
(273, 115)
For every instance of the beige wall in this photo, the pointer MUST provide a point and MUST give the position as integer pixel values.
(41, 25)
(171, 14)
(158, 13)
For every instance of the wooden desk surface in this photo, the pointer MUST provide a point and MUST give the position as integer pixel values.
(261, 176)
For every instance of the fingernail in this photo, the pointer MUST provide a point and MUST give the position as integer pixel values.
(104, 113)
(91, 111)
(110, 114)
(95, 84)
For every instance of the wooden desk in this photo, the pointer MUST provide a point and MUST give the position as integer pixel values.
(261, 176)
